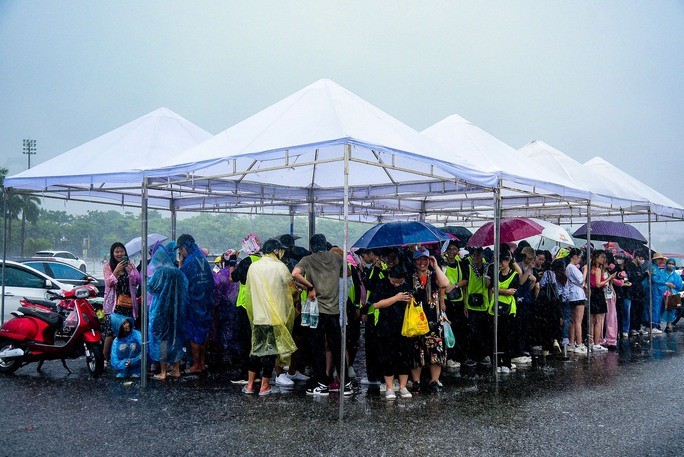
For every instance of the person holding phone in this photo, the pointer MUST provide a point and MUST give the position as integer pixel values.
(121, 280)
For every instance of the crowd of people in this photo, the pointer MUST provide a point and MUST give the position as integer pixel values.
(274, 310)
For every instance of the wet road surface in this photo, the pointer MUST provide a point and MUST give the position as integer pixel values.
(616, 404)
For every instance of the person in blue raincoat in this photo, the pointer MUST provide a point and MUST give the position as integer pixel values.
(658, 287)
(126, 348)
(194, 264)
(674, 283)
(168, 288)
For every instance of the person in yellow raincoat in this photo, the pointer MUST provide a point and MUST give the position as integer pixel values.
(271, 312)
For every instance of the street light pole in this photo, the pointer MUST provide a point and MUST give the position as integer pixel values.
(29, 149)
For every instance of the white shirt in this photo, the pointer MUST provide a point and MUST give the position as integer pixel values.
(575, 283)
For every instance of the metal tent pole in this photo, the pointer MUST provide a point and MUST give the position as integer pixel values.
(495, 274)
(312, 214)
(343, 306)
(172, 208)
(650, 284)
(143, 286)
(590, 347)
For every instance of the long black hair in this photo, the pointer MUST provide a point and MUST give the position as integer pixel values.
(112, 261)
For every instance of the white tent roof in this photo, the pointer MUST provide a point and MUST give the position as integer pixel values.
(116, 159)
(609, 171)
(603, 191)
(292, 153)
(493, 155)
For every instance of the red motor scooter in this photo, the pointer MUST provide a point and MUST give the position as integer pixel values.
(39, 332)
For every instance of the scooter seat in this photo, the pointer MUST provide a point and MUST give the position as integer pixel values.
(47, 303)
(52, 319)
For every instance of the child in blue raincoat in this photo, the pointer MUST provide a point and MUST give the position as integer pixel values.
(126, 348)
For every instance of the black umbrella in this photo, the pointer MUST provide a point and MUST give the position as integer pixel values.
(460, 232)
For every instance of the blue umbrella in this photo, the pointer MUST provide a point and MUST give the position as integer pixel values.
(401, 234)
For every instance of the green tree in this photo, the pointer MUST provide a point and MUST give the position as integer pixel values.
(30, 210)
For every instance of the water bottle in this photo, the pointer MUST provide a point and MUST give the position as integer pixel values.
(313, 318)
(306, 313)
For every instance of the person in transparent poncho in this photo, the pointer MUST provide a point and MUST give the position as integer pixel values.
(126, 348)
(168, 288)
(269, 304)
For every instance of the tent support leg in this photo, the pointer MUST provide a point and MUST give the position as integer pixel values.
(495, 280)
(343, 306)
(588, 308)
(4, 252)
(143, 286)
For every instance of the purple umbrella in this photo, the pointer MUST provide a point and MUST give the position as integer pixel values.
(610, 231)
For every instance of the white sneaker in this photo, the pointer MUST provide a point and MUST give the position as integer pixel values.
(657, 331)
(625, 335)
(453, 364)
(370, 383)
(513, 367)
(298, 376)
(404, 393)
(633, 332)
(505, 370)
(351, 372)
(284, 380)
(643, 330)
(581, 349)
(383, 387)
(522, 360)
(389, 395)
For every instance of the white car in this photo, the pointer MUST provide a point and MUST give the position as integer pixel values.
(63, 256)
(24, 281)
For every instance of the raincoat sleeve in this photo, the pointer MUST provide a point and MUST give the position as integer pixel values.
(110, 279)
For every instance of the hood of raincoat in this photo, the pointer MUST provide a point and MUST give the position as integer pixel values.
(118, 320)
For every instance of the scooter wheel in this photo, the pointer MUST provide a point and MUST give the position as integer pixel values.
(9, 364)
(94, 359)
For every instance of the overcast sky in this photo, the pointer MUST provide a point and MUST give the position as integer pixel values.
(589, 78)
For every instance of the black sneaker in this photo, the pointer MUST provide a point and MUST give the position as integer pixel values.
(470, 363)
(320, 389)
(415, 388)
(435, 387)
(348, 389)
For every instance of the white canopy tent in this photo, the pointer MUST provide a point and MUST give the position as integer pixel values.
(663, 206)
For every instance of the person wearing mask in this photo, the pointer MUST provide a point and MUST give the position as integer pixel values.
(269, 291)
(601, 290)
(372, 273)
(225, 331)
(251, 246)
(658, 287)
(453, 299)
(623, 293)
(193, 263)
(319, 275)
(674, 284)
(577, 300)
(525, 297)
(475, 308)
(507, 308)
(636, 272)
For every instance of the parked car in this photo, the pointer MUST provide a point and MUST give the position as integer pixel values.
(24, 281)
(64, 273)
(63, 256)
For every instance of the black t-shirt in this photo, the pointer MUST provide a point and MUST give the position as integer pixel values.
(392, 317)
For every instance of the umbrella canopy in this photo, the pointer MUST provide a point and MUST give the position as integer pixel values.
(461, 233)
(610, 231)
(512, 229)
(554, 232)
(400, 234)
(626, 235)
(133, 246)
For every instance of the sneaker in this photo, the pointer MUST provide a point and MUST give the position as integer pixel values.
(643, 330)
(351, 373)
(435, 387)
(239, 381)
(581, 349)
(633, 332)
(625, 335)
(389, 395)
(348, 389)
(383, 387)
(404, 393)
(368, 382)
(334, 386)
(453, 364)
(505, 370)
(486, 361)
(657, 331)
(598, 348)
(284, 380)
(135, 376)
(556, 347)
(298, 376)
(499, 370)
(470, 363)
(263, 393)
(668, 328)
(320, 389)
(245, 390)
(522, 360)
(415, 388)
(513, 367)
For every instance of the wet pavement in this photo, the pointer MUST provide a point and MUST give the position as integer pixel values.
(625, 403)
